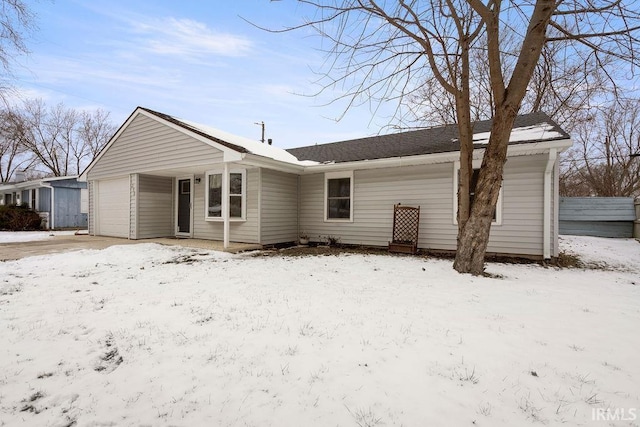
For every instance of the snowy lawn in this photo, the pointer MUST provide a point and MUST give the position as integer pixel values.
(153, 335)
(31, 236)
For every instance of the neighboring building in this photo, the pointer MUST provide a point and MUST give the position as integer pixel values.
(597, 216)
(62, 202)
(161, 176)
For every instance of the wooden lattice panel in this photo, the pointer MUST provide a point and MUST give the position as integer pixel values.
(406, 221)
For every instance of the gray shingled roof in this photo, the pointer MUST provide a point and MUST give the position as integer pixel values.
(440, 139)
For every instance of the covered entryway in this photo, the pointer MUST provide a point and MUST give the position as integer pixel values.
(168, 164)
(113, 207)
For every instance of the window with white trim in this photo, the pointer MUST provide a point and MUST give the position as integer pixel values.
(497, 213)
(338, 200)
(237, 195)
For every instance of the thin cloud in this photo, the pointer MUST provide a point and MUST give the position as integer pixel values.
(18, 95)
(91, 70)
(189, 38)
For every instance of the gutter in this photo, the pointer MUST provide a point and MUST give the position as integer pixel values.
(546, 228)
(260, 161)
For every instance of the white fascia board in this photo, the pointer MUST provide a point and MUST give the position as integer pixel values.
(265, 162)
(539, 147)
(29, 184)
(384, 163)
(231, 156)
(59, 178)
(43, 182)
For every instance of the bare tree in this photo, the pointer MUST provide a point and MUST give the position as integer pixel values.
(41, 137)
(61, 140)
(606, 159)
(561, 87)
(16, 22)
(95, 130)
(380, 50)
(12, 152)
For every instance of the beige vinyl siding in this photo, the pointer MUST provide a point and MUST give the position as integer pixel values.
(91, 226)
(279, 207)
(155, 207)
(147, 145)
(430, 187)
(133, 206)
(240, 231)
(521, 231)
(375, 193)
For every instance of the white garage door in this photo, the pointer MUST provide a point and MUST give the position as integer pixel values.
(113, 207)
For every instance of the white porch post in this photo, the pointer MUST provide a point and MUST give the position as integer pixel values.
(225, 203)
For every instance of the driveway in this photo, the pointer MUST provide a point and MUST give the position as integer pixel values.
(66, 243)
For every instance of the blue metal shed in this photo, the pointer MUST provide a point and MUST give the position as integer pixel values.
(61, 201)
(597, 216)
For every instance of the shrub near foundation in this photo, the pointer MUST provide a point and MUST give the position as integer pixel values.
(19, 218)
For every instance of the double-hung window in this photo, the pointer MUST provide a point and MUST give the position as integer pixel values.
(338, 188)
(214, 203)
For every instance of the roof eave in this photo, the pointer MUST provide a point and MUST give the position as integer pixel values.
(266, 162)
(450, 156)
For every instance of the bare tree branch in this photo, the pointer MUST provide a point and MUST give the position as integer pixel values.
(60, 141)
(481, 57)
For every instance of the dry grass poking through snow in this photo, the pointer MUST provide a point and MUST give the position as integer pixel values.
(152, 335)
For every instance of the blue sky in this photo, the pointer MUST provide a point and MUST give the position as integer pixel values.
(197, 60)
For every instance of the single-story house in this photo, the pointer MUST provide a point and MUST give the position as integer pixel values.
(162, 176)
(62, 202)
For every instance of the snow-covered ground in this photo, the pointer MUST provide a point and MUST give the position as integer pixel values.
(30, 236)
(155, 335)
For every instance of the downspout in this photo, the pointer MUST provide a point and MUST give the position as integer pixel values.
(546, 228)
(225, 204)
(259, 234)
(299, 230)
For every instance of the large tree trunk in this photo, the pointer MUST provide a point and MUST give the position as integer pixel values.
(474, 236)
(465, 136)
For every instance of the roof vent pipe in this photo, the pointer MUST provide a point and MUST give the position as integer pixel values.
(270, 141)
(261, 124)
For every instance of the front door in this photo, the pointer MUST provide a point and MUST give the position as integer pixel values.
(183, 226)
